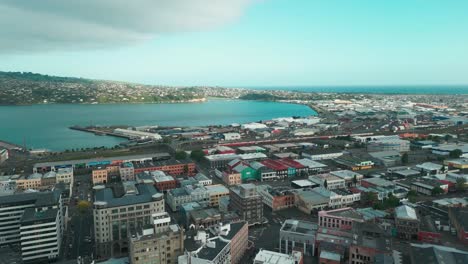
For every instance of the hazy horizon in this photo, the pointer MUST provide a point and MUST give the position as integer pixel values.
(240, 43)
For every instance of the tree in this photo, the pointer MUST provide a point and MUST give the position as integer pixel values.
(186, 168)
(460, 185)
(197, 154)
(355, 180)
(181, 155)
(436, 191)
(404, 158)
(412, 194)
(455, 154)
(325, 184)
(369, 198)
(167, 140)
(83, 206)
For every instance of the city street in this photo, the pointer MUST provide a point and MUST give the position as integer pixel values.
(79, 238)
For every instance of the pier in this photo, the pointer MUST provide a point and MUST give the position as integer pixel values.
(10, 146)
(99, 132)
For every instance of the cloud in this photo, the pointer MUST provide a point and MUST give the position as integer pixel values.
(31, 25)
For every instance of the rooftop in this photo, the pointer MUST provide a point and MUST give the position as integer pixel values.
(347, 212)
(298, 226)
(272, 257)
(406, 212)
(426, 253)
(30, 215)
(346, 174)
(145, 193)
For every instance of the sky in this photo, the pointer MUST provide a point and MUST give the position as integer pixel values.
(239, 43)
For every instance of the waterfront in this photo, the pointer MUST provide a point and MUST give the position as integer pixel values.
(46, 126)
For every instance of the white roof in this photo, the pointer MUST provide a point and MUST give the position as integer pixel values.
(429, 166)
(406, 212)
(271, 257)
(310, 163)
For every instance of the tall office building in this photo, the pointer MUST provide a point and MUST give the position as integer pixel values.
(35, 222)
(160, 243)
(121, 210)
(247, 203)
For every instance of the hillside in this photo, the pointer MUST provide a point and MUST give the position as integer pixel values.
(17, 88)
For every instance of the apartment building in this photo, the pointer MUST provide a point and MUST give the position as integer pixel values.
(118, 211)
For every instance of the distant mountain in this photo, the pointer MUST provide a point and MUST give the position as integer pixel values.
(20, 88)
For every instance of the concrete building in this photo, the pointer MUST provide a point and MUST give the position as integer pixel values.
(35, 222)
(204, 217)
(332, 181)
(203, 179)
(325, 154)
(98, 162)
(192, 193)
(33, 181)
(445, 149)
(459, 219)
(220, 161)
(227, 246)
(276, 198)
(162, 182)
(127, 171)
(99, 175)
(159, 243)
(231, 178)
(231, 136)
(216, 192)
(272, 257)
(120, 210)
(426, 253)
(312, 166)
(41, 232)
(406, 222)
(369, 240)
(264, 173)
(386, 158)
(387, 144)
(64, 175)
(349, 177)
(310, 201)
(296, 235)
(247, 203)
(354, 163)
(342, 218)
(172, 167)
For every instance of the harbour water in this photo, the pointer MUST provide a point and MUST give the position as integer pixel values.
(46, 126)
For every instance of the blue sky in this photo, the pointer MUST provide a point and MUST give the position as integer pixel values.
(263, 43)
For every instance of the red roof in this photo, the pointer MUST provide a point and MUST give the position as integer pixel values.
(449, 183)
(273, 164)
(291, 163)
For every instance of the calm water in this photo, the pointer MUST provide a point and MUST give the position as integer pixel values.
(46, 126)
(402, 89)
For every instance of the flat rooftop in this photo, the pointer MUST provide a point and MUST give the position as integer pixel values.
(86, 161)
(298, 226)
(145, 193)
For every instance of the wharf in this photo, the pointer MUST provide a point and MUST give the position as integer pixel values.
(10, 146)
(98, 132)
